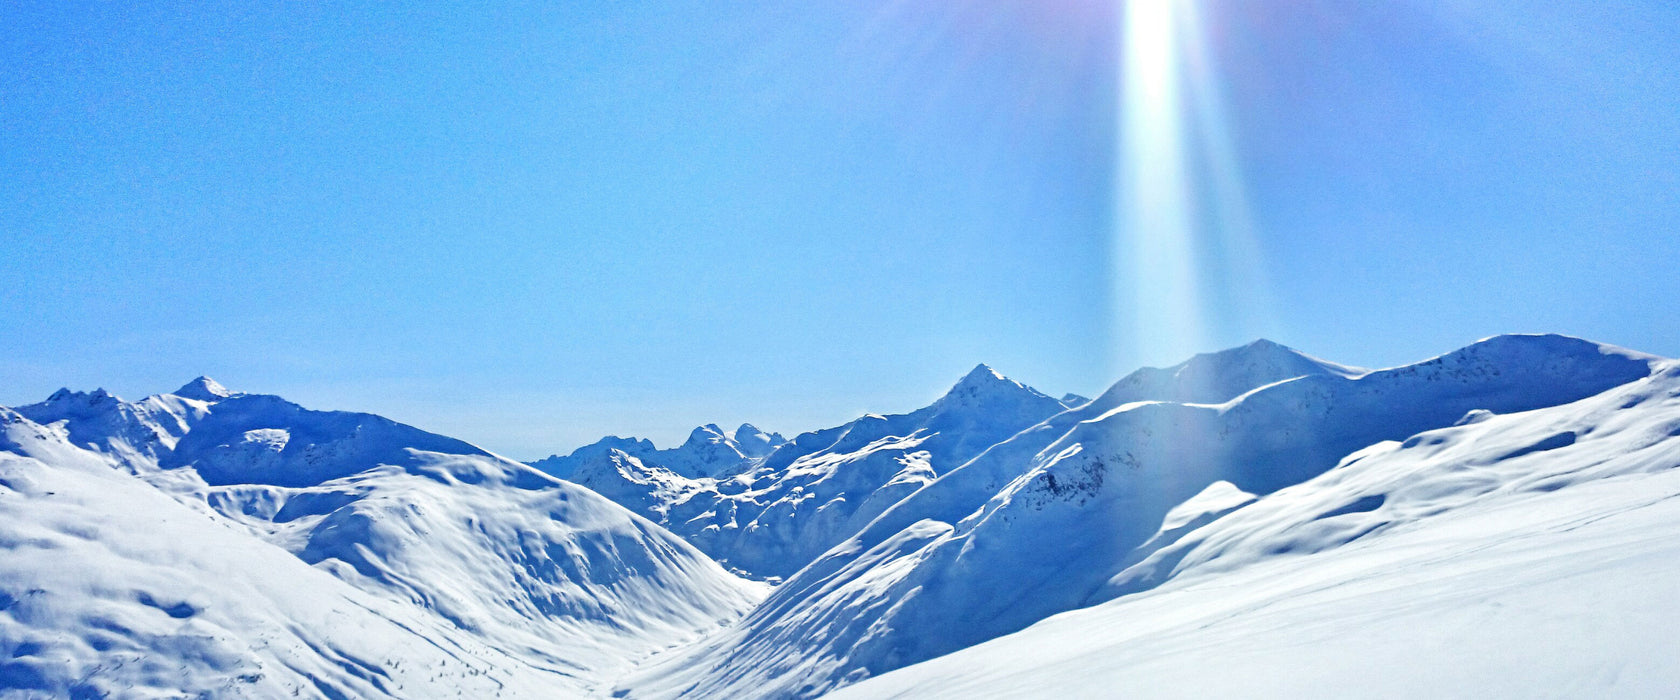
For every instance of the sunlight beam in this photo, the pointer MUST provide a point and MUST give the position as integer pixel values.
(1193, 271)
(1156, 216)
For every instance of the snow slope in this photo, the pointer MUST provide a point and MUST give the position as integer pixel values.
(771, 517)
(110, 588)
(276, 520)
(1044, 522)
(1521, 555)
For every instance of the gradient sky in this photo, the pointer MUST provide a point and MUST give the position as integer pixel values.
(533, 225)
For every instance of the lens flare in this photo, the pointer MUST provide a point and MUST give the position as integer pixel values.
(1173, 119)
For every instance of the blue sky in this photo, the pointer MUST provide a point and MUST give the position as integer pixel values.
(532, 225)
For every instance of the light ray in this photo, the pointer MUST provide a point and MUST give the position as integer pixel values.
(1155, 214)
(1245, 284)
(1173, 118)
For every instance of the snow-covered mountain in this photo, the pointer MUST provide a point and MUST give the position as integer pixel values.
(1516, 556)
(770, 516)
(1306, 528)
(1048, 520)
(242, 545)
(708, 451)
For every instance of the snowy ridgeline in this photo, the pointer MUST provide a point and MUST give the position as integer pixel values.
(1513, 556)
(243, 546)
(1076, 510)
(1318, 528)
(768, 511)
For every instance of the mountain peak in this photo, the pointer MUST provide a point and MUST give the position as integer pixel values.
(1216, 377)
(96, 396)
(753, 442)
(1260, 350)
(1265, 344)
(203, 389)
(983, 385)
(1071, 400)
(981, 376)
(709, 432)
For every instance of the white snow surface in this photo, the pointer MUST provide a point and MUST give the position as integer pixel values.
(1057, 517)
(247, 547)
(1529, 555)
(1496, 521)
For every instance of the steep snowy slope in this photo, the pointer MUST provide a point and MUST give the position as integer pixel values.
(546, 578)
(1041, 523)
(1522, 555)
(708, 451)
(110, 588)
(775, 516)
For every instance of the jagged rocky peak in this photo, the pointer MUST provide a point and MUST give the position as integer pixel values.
(90, 398)
(203, 389)
(632, 445)
(98, 405)
(708, 451)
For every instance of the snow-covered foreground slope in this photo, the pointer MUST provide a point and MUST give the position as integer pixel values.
(1048, 520)
(771, 515)
(1517, 556)
(242, 545)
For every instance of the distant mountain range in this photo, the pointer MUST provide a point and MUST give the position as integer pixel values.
(997, 542)
(766, 514)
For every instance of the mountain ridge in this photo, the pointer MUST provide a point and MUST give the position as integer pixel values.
(901, 545)
(498, 569)
(1121, 461)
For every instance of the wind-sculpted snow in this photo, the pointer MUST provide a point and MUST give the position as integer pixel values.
(774, 516)
(519, 582)
(1041, 523)
(1521, 555)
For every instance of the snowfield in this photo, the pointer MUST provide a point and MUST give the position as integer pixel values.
(1498, 521)
(1494, 559)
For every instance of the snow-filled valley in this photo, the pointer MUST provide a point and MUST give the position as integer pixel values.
(1255, 522)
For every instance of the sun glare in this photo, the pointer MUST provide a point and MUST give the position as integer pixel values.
(1172, 113)
(1155, 216)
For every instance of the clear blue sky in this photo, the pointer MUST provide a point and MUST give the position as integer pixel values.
(531, 225)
